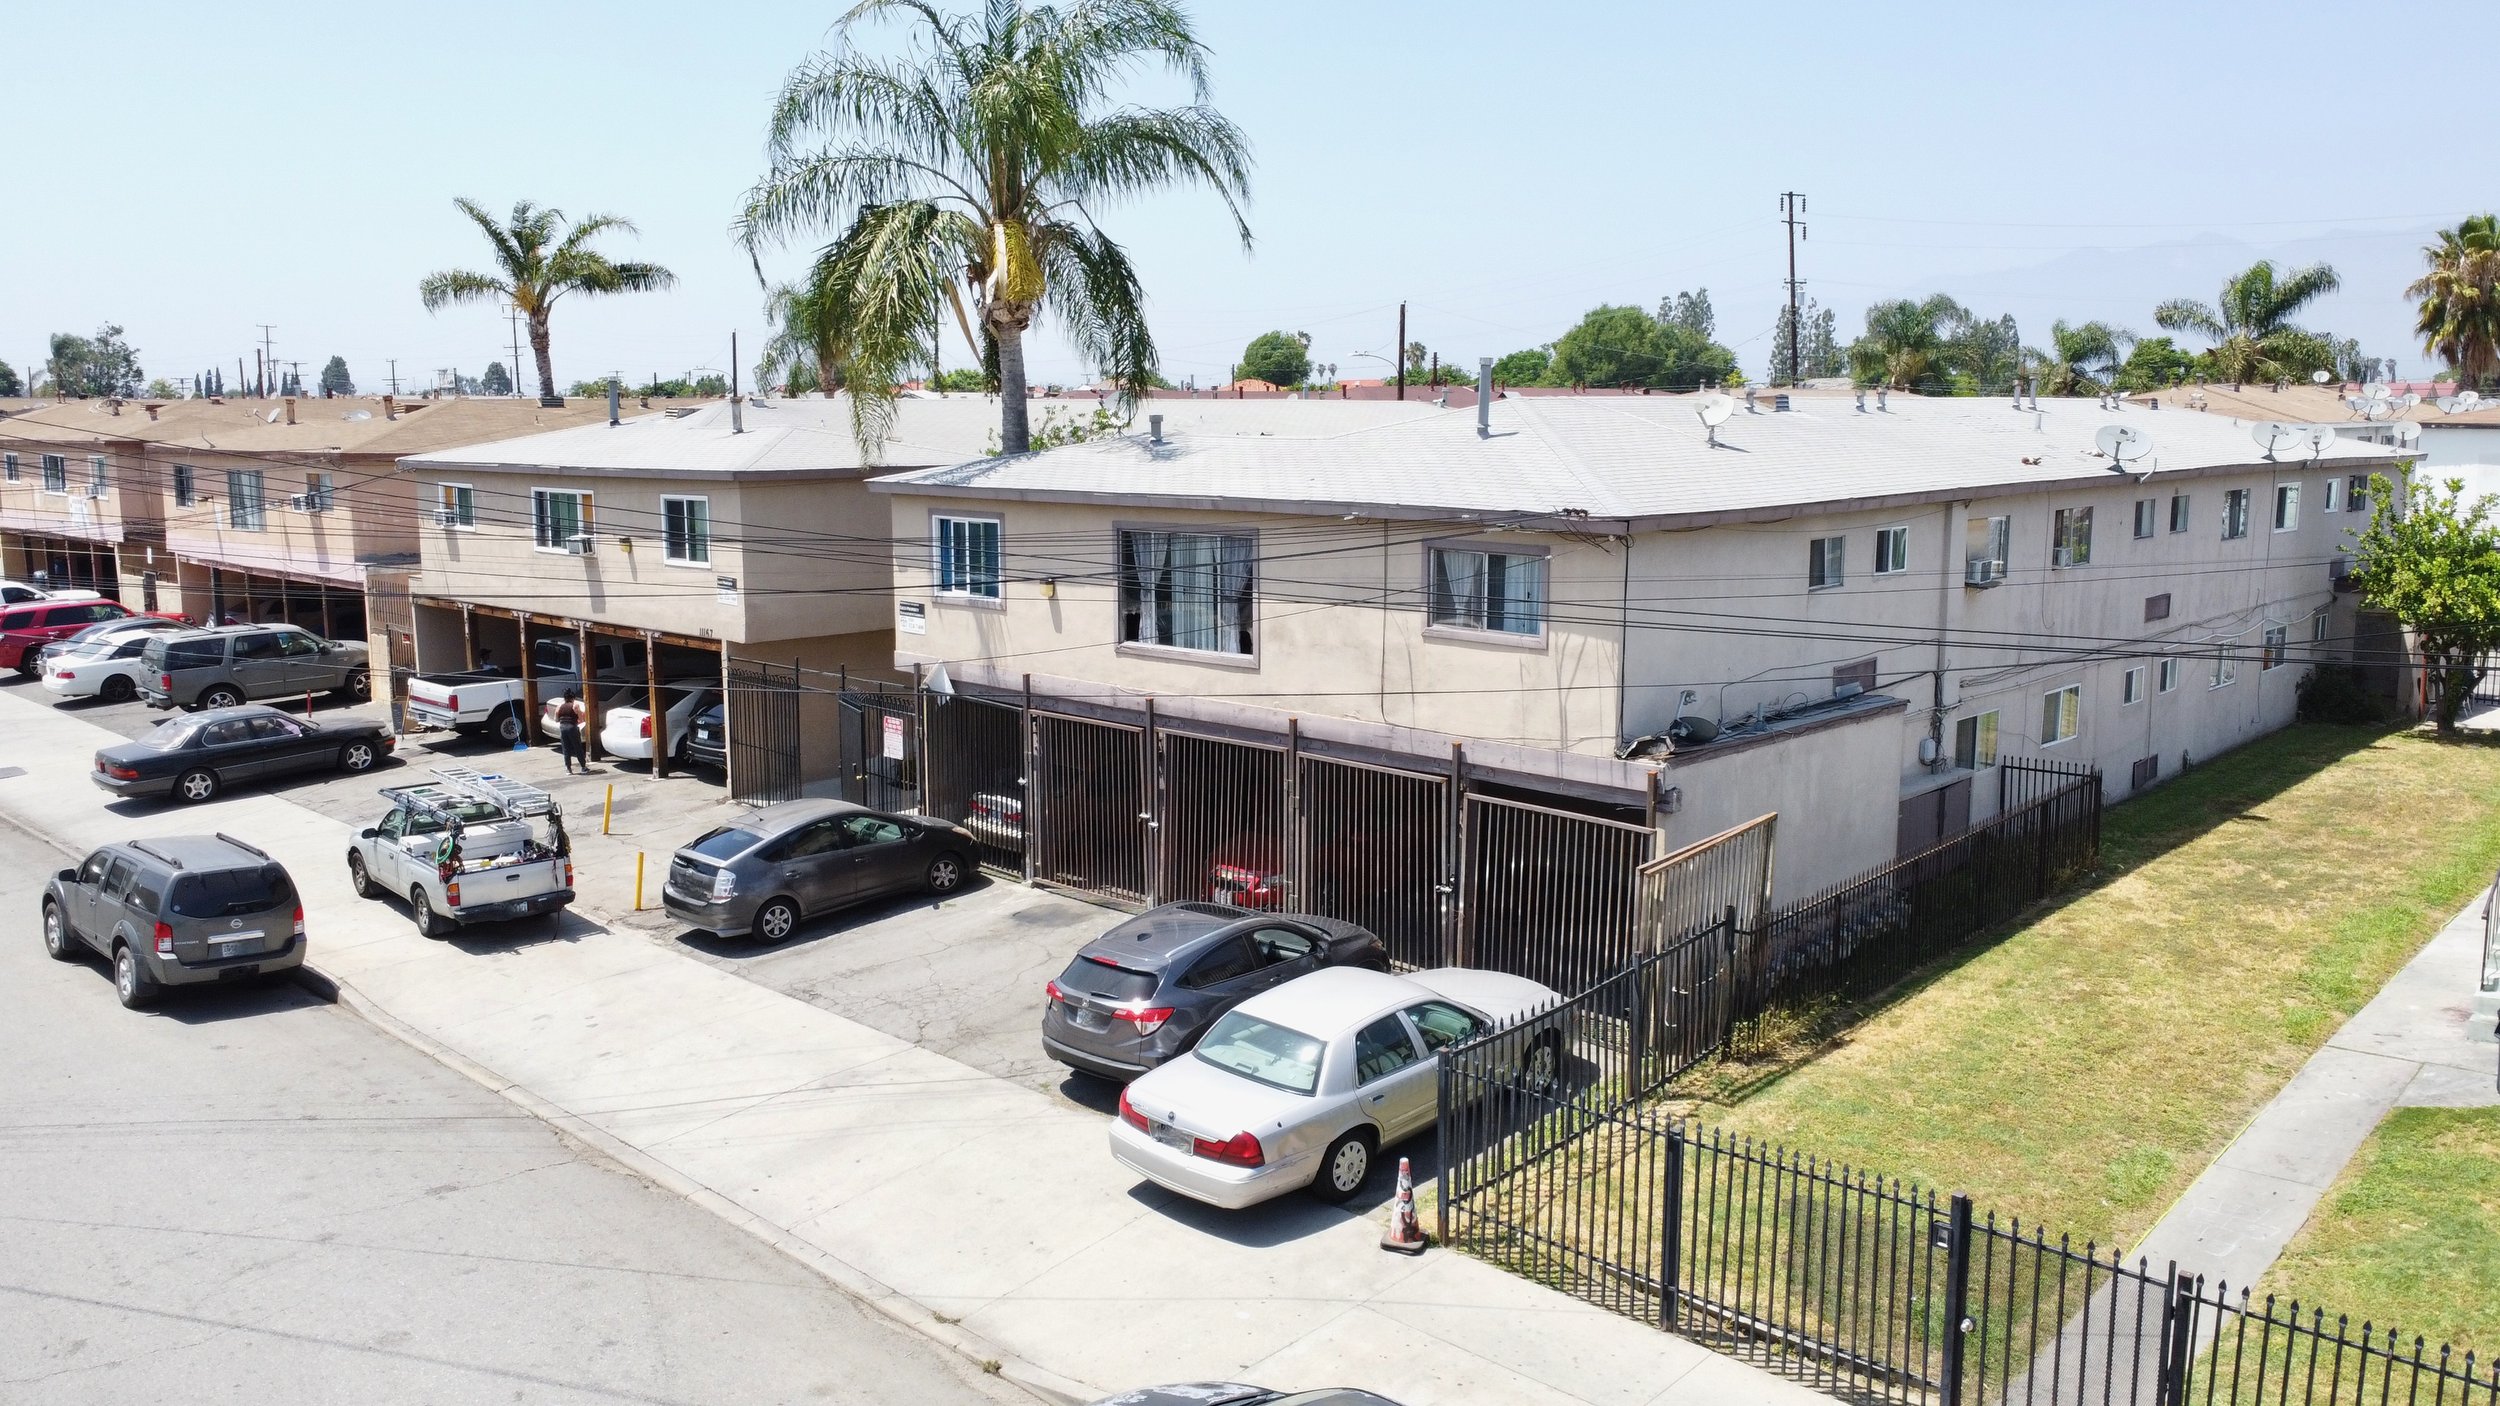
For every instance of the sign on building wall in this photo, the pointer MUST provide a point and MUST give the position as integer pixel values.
(914, 618)
(894, 737)
(728, 589)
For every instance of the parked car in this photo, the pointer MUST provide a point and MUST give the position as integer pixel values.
(631, 693)
(625, 728)
(763, 873)
(996, 819)
(110, 629)
(1143, 993)
(20, 592)
(707, 741)
(1300, 1086)
(464, 850)
(1235, 1394)
(106, 668)
(193, 758)
(182, 910)
(476, 701)
(25, 629)
(225, 665)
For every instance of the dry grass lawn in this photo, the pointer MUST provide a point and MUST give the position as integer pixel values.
(2083, 1069)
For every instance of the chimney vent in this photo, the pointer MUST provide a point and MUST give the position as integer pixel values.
(1883, 394)
(1750, 408)
(1484, 397)
(1861, 402)
(1154, 428)
(390, 407)
(1779, 402)
(290, 410)
(153, 407)
(614, 391)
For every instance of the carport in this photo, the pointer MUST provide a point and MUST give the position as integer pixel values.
(333, 610)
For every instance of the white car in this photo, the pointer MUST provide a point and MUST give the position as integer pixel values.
(20, 592)
(107, 667)
(625, 727)
(1304, 1083)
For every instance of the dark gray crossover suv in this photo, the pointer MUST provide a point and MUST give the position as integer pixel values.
(1145, 991)
(176, 911)
(763, 873)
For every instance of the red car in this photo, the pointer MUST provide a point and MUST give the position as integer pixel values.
(24, 629)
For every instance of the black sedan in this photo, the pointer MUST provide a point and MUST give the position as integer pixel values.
(197, 755)
(707, 742)
(1235, 1394)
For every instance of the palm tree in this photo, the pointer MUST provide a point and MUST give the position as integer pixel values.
(1904, 345)
(806, 348)
(2460, 314)
(540, 259)
(2251, 327)
(2080, 360)
(975, 167)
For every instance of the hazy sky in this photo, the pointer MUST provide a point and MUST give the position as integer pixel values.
(190, 170)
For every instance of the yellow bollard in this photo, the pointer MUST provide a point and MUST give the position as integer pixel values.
(637, 881)
(607, 812)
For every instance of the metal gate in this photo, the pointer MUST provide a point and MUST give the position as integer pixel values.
(878, 734)
(763, 732)
(1550, 894)
(975, 760)
(1376, 851)
(1223, 831)
(1090, 805)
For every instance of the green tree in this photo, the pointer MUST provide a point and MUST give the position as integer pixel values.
(1278, 358)
(2459, 313)
(1819, 353)
(9, 382)
(1982, 356)
(94, 366)
(806, 349)
(1620, 345)
(972, 167)
(970, 379)
(162, 389)
(334, 378)
(2153, 363)
(2079, 360)
(1523, 368)
(2250, 324)
(1690, 311)
(2433, 562)
(497, 381)
(539, 258)
(1904, 344)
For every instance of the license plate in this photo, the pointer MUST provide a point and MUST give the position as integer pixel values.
(1089, 1020)
(1174, 1138)
(239, 944)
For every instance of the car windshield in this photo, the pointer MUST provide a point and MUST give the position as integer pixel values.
(727, 842)
(171, 734)
(1096, 977)
(230, 892)
(1271, 1054)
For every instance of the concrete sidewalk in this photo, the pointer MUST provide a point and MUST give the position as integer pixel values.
(984, 1214)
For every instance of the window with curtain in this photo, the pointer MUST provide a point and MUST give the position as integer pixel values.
(1188, 590)
(2061, 712)
(561, 516)
(186, 485)
(55, 474)
(244, 509)
(966, 556)
(455, 504)
(1503, 592)
(686, 530)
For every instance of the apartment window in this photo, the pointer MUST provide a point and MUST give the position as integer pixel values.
(964, 557)
(186, 485)
(2278, 637)
(1823, 562)
(1188, 590)
(2157, 607)
(1892, 551)
(2334, 496)
(320, 490)
(455, 505)
(8, 467)
(2167, 677)
(1975, 742)
(96, 473)
(55, 474)
(1985, 541)
(2070, 537)
(2132, 689)
(2226, 669)
(2235, 514)
(686, 533)
(2145, 772)
(2357, 494)
(2061, 712)
(1862, 674)
(245, 511)
(2178, 512)
(561, 515)
(2317, 626)
(2147, 516)
(2286, 507)
(1503, 592)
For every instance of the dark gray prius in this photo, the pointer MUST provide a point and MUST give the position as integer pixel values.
(767, 871)
(1146, 990)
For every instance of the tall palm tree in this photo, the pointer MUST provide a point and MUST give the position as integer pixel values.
(975, 167)
(1905, 342)
(2080, 360)
(540, 258)
(2460, 314)
(2250, 325)
(806, 350)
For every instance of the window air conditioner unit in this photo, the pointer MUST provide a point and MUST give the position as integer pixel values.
(578, 544)
(300, 502)
(447, 517)
(1983, 571)
(96, 490)
(2065, 556)
(2339, 574)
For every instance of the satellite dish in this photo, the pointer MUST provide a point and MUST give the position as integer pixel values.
(271, 418)
(2375, 390)
(2469, 400)
(357, 415)
(2318, 376)
(2447, 404)
(2273, 435)
(2122, 443)
(1714, 409)
(2411, 399)
(2377, 409)
(2318, 437)
(2408, 431)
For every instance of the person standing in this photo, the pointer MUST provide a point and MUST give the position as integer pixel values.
(569, 731)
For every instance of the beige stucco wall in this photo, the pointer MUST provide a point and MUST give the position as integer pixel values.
(372, 514)
(1832, 787)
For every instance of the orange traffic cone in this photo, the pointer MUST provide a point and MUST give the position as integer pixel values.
(1404, 1235)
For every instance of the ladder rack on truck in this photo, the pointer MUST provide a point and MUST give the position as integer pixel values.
(459, 783)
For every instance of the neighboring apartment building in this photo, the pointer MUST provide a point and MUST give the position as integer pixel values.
(1847, 615)
(77, 507)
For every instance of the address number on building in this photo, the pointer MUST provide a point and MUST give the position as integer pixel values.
(914, 618)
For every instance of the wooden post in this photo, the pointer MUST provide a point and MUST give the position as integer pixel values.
(588, 678)
(468, 645)
(659, 715)
(529, 679)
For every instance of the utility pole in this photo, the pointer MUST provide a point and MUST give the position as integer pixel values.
(394, 377)
(260, 376)
(1400, 349)
(1792, 205)
(514, 317)
(269, 355)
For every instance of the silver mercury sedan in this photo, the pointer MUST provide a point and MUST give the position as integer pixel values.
(1303, 1084)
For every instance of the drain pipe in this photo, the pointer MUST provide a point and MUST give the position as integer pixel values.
(1484, 397)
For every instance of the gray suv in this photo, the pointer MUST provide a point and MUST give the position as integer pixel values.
(231, 664)
(765, 872)
(178, 911)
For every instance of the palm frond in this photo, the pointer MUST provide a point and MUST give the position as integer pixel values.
(591, 227)
(814, 191)
(887, 104)
(441, 290)
(506, 252)
(891, 268)
(1095, 293)
(1142, 149)
(2189, 315)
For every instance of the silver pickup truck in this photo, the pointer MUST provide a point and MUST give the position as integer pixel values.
(468, 847)
(479, 701)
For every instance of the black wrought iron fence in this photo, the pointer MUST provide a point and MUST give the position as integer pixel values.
(975, 755)
(878, 744)
(764, 733)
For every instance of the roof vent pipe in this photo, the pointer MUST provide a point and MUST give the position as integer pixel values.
(1750, 408)
(1882, 396)
(1484, 397)
(614, 391)
(290, 410)
(390, 407)
(1861, 402)
(1779, 402)
(2033, 390)
(1154, 428)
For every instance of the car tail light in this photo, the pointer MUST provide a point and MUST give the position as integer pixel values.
(1240, 1150)
(724, 884)
(164, 939)
(299, 920)
(568, 873)
(1051, 989)
(1146, 1021)
(453, 702)
(63, 674)
(1129, 1113)
(646, 727)
(165, 683)
(451, 893)
(390, 742)
(122, 773)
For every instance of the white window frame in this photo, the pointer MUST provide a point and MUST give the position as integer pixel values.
(585, 508)
(1981, 754)
(1826, 563)
(1892, 550)
(2234, 514)
(2287, 507)
(186, 485)
(2147, 518)
(1135, 596)
(2131, 688)
(460, 500)
(236, 498)
(321, 491)
(2070, 538)
(2167, 677)
(99, 473)
(2334, 500)
(2357, 493)
(943, 545)
(1996, 544)
(669, 548)
(55, 473)
(2278, 649)
(1472, 618)
(2318, 626)
(2061, 715)
(2226, 669)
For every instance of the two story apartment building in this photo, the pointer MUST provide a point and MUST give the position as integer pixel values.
(1847, 611)
(78, 509)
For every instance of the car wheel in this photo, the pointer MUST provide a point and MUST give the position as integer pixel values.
(221, 697)
(357, 756)
(358, 687)
(1541, 1069)
(428, 925)
(357, 878)
(119, 689)
(195, 785)
(507, 727)
(1344, 1167)
(58, 940)
(946, 873)
(775, 921)
(28, 666)
(131, 982)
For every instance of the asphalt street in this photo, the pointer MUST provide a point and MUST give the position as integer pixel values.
(250, 1196)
